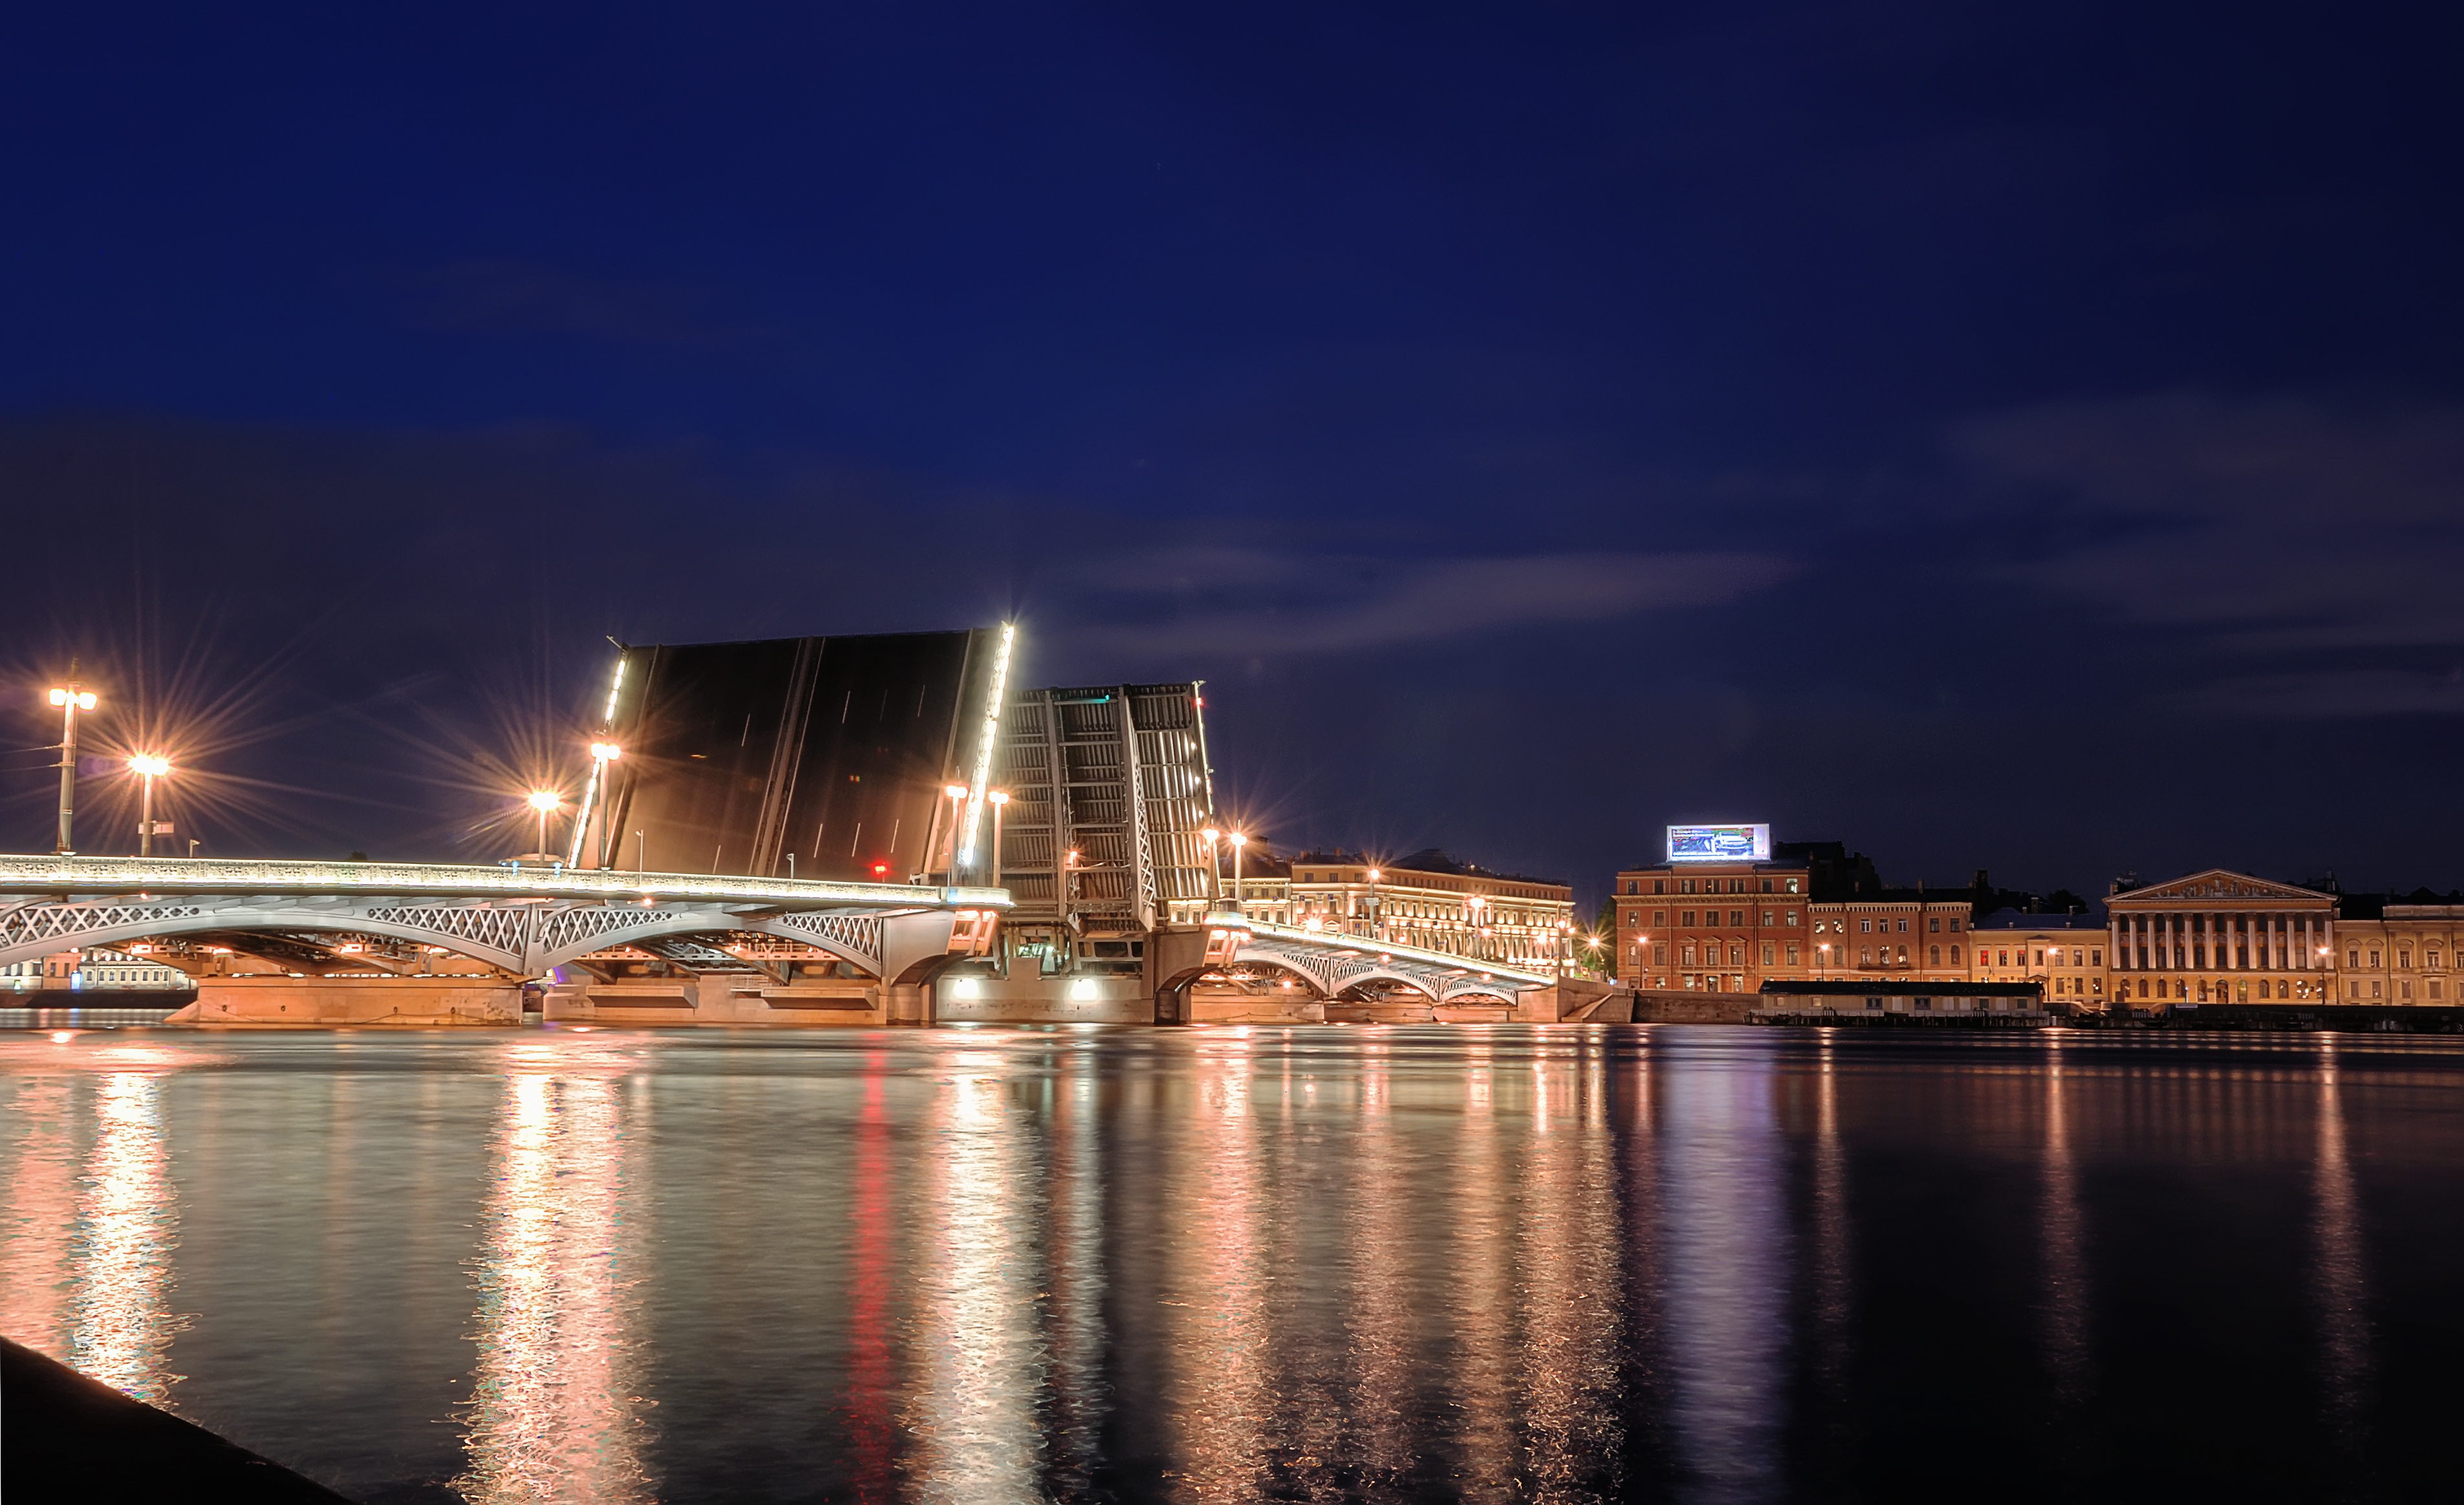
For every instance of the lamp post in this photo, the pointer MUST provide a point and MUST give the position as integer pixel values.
(1000, 802)
(1376, 917)
(544, 801)
(71, 697)
(147, 767)
(1237, 841)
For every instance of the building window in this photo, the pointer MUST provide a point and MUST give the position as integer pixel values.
(1791, 924)
(2429, 959)
(1660, 885)
(2096, 956)
(1935, 953)
(1686, 917)
(1791, 960)
(1904, 956)
(2353, 957)
(1659, 956)
(2404, 989)
(2374, 961)
(1954, 955)
(1770, 952)
(1766, 885)
(1865, 956)
(1904, 927)
(2433, 987)
(1934, 926)
(1736, 916)
(1954, 924)
(1767, 917)
(1865, 925)
(2403, 960)
(1792, 885)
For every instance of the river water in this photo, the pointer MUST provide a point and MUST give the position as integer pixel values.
(1509, 1263)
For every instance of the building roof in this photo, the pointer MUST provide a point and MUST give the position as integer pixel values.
(2021, 920)
(1895, 987)
(1428, 859)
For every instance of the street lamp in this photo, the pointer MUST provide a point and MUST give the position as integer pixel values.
(147, 767)
(544, 801)
(601, 753)
(1377, 917)
(1237, 841)
(71, 697)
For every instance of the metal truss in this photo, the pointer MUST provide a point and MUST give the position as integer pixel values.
(526, 924)
(1333, 965)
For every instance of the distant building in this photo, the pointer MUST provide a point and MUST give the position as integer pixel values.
(99, 969)
(1893, 933)
(2066, 953)
(1425, 899)
(2397, 949)
(2225, 938)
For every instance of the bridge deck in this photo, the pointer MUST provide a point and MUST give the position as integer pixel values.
(61, 877)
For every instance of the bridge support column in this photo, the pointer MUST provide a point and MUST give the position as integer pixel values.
(325, 1002)
(907, 1003)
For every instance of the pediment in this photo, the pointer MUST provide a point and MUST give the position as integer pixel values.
(2214, 885)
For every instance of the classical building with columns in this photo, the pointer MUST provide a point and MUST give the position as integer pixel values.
(2223, 937)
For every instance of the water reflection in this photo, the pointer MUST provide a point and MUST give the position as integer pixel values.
(1728, 1269)
(1567, 1279)
(972, 1414)
(1076, 1278)
(2065, 1260)
(553, 1413)
(126, 1228)
(42, 1189)
(1217, 1284)
(2342, 1281)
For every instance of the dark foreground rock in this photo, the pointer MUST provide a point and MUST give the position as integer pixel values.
(65, 1437)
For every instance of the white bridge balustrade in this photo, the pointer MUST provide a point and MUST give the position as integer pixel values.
(330, 941)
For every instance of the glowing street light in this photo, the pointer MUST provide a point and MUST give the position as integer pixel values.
(544, 802)
(147, 767)
(1238, 841)
(71, 697)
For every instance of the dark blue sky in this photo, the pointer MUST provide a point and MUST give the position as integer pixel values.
(2023, 436)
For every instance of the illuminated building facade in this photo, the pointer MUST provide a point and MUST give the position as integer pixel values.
(1427, 899)
(2066, 953)
(2225, 938)
(1892, 933)
(1717, 925)
(98, 968)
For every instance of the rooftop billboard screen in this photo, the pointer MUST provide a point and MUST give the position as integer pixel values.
(1719, 843)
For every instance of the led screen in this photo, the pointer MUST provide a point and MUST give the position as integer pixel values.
(1719, 843)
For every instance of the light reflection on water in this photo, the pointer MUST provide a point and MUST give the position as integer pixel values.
(552, 1416)
(1485, 1263)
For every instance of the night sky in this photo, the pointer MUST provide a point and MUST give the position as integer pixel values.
(2018, 436)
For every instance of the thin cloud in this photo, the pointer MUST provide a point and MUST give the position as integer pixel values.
(1254, 603)
(2278, 527)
